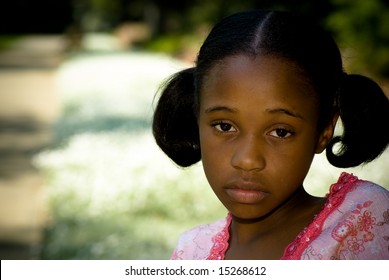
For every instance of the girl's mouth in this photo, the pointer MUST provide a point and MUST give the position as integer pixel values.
(245, 192)
(246, 196)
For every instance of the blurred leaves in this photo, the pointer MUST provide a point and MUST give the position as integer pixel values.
(362, 29)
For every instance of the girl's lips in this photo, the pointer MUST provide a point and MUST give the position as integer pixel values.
(246, 195)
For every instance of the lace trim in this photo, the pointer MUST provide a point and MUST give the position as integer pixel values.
(337, 193)
(220, 242)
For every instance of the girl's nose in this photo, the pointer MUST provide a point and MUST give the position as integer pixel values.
(248, 155)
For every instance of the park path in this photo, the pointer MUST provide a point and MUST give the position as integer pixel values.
(28, 109)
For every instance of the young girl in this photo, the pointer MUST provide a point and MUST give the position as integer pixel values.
(262, 100)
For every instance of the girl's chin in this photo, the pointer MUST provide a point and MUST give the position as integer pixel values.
(248, 215)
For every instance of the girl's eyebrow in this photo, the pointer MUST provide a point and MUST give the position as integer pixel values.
(285, 111)
(220, 108)
(271, 111)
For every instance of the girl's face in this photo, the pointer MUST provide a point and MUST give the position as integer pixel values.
(258, 132)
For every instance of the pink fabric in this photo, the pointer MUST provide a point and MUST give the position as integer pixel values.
(220, 241)
(353, 224)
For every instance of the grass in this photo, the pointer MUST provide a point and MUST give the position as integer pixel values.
(113, 194)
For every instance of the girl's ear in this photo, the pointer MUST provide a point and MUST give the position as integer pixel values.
(327, 134)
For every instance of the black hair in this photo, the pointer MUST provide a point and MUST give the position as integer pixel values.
(360, 102)
(364, 111)
(175, 123)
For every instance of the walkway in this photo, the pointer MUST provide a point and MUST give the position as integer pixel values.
(28, 108)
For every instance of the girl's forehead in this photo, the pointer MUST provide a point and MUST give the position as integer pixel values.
(258, 85)
(239, 61)
(254, 70)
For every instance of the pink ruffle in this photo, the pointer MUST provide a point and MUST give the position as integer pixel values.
(220, 242)
(336, 196)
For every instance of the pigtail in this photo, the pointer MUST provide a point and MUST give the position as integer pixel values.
(175, 127)
(364, 111)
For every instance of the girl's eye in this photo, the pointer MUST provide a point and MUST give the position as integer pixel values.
(224, 127)
(281, 133)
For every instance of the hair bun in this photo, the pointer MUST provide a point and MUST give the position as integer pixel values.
(175, 126)
(364, 111)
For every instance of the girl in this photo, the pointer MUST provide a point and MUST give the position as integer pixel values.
(263, 99)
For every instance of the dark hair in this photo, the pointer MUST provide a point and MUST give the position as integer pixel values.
(361, 103)
(175, 123)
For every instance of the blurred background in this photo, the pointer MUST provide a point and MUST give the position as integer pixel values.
(80, 174)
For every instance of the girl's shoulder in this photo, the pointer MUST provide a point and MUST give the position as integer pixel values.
(354, 222)
(196, 243)
(351, 190)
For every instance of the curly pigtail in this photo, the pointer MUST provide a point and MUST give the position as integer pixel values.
(364, 111)
(175, 125)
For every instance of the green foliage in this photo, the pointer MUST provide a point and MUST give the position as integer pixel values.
(175, 45)
(362, 29)
(7, 41)
(168, 44)
(360, 26)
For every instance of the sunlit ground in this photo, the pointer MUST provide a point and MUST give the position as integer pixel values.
(113, 193)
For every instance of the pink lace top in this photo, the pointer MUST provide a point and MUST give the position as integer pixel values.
(353, 224)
